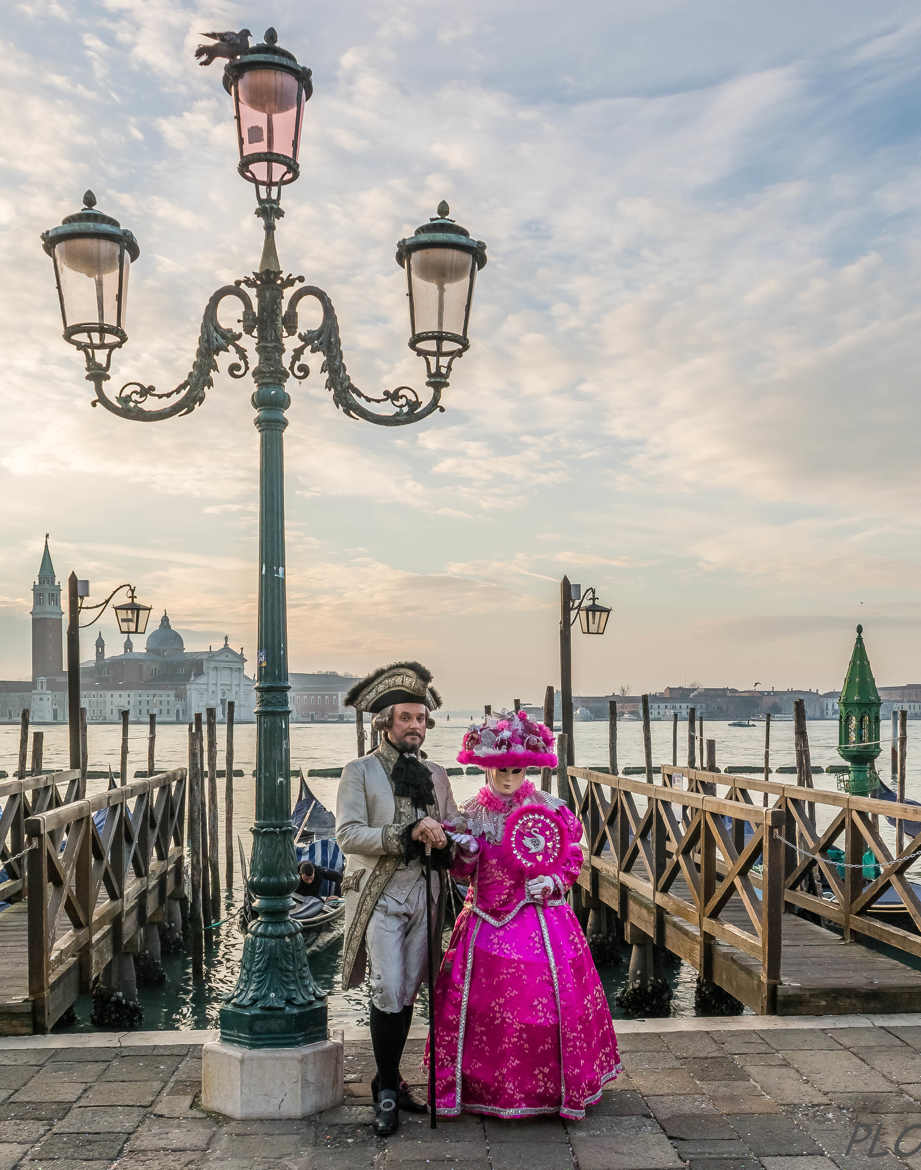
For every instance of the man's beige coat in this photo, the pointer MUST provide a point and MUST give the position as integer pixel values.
(370, 820)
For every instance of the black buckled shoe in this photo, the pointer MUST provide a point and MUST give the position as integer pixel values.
(386, 1113)
(405, 1099)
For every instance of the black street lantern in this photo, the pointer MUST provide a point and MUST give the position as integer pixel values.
(92, 255)
(593, 617)
(269, 90)
(441, 262)
(132, 618)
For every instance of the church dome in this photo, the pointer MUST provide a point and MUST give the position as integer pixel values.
(165, 640)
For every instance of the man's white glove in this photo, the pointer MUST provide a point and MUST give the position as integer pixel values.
(466, 842)
(539, 888)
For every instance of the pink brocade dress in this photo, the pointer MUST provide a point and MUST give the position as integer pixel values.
(522, 1023)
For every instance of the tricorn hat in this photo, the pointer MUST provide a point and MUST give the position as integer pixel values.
(401, 682)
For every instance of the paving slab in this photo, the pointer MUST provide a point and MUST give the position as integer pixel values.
(721, 1149)
(107, 1092)
(646, 1152)
(697, 1126)
(541, 1129)
(90, 1147)
(788, 1039)
(102, 1119)
(23, 1132)
(696, 1044)
(158, 1133)
(10, 1154)
(772, 1133)
(807, 1162)
(527, 1156)
(845, 1072)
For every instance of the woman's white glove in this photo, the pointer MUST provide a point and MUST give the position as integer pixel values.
(540, 888)
(466, 842)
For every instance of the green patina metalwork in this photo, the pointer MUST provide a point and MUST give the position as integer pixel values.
(276, 1002)
(858, 720)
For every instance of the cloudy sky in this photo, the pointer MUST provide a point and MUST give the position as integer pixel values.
(695, 349)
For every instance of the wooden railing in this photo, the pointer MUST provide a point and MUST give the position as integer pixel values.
(648, 836)
(815, 820)
(19, 800)
(91, 888)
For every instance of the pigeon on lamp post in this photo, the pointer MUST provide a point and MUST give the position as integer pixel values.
(227, 44)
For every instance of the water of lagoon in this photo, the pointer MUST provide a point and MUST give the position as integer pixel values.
(180, 1003)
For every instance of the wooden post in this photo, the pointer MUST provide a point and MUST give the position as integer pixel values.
(563, 791)
(228, 799)
(647, 738)
(517, 703)
(123, 761)
(674, 739)
(151, 745)
(612, 736)
(772, 902)
(700, 740)
(692, 719)
(360, 731)
(711, 755)
(566, 667)
(23, 743)
(84, 752)
(707, 889)
(38, 744)
(767, 753)
(894, 749)
(900, 790)
(804, 778)
(488, 709)
(213, 846)
(196, 921)
(203, 821)
(546, 774)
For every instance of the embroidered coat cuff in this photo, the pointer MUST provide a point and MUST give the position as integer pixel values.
(392, 840)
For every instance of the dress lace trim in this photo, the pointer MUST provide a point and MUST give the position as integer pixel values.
(484, 814)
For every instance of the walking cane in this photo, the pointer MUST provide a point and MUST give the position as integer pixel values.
(431, 972)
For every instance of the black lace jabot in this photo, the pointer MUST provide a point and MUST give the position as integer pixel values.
(412, 779)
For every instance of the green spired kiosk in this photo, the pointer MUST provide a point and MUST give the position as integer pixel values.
(858, 721)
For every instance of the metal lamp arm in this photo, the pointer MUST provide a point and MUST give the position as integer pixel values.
(102, 606)
(405, 401)
(576, 606)
(213, 339)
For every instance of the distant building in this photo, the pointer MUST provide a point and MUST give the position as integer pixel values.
(166, 680)
(319, 698)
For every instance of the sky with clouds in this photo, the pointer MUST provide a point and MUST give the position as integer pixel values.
(693, 374)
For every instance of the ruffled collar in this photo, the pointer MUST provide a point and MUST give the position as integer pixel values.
(500, 804)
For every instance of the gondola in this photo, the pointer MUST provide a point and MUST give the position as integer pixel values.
(320, 919)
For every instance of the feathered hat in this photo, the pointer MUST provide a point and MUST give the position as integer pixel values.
(508, 740)
(401, 682)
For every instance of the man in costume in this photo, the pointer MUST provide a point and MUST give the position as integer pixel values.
(390, 806)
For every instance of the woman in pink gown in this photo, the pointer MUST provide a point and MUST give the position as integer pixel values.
(522, 1025)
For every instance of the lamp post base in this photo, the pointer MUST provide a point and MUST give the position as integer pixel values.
(286, 1027)
(254, 1083)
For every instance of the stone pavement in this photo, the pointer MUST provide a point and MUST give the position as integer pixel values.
(735, 1094)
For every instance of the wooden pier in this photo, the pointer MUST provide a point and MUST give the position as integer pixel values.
(81, 886)
(715, 879)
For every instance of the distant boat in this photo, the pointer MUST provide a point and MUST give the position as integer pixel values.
(742, 723)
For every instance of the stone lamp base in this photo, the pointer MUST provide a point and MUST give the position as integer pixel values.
(251, 1083)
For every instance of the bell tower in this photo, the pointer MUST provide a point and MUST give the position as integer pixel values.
(47, 622)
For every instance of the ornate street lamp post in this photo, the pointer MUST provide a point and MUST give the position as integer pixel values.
(132, 618)
(275, 1004)
(593, 619)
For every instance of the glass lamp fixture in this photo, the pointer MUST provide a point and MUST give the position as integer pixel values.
(441, 262)
(92, 254)
(269, 90)
(594, 617)
(132, 617)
